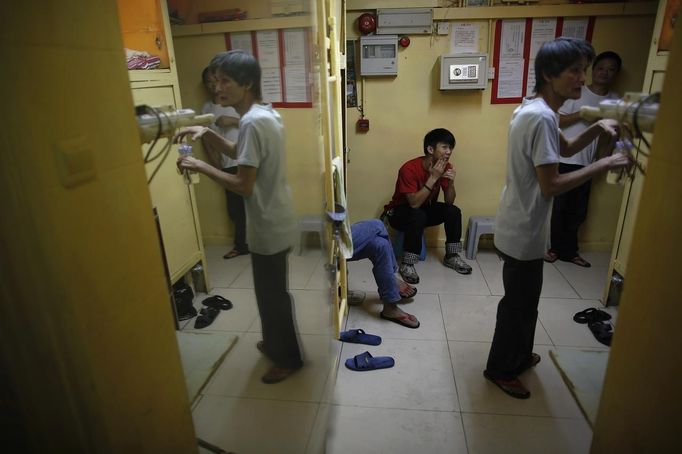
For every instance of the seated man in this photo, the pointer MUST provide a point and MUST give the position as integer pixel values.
(415, 204)
(370, 241)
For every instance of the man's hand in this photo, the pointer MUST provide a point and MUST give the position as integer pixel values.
(190, 163)
(438, 168)
(450, 174)
(611, 129)
(619, 161)
(195, 131)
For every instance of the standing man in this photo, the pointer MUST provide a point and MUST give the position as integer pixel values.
(415, 204)
(522, 222)
(570, 209)
(261, 180)
(227, 125)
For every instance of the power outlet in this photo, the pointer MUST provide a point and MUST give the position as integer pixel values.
(491, 73)
(443, 28)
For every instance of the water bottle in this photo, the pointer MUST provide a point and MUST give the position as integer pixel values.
(617, 176)
(189, 176)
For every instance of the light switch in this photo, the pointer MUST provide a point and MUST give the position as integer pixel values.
(75, 161)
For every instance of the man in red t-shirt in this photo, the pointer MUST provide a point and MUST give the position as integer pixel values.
(415, 204)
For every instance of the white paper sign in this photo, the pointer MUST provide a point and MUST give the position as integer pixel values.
(464, 37)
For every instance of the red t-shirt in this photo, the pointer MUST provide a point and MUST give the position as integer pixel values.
(411, 178)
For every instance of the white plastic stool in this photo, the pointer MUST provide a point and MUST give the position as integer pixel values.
(309, 224)
(478, 225)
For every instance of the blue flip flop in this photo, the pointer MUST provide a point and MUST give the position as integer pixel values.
(364, 362)
(358, 336)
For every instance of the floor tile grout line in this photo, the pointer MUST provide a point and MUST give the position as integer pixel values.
(454, 376)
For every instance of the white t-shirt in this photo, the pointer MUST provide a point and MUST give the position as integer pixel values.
(230, 133)
(587, 98)
(522, 222)
(270, 221)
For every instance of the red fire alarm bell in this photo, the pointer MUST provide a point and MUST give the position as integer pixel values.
(367, 23)
(404, 41)
(362, 125)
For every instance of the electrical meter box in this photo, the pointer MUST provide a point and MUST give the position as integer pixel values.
(464, 72)
(379, 55)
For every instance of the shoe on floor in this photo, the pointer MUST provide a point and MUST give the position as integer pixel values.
(513, 387)
(277, 374)
(458, 264)
(577, 260)
(532, 362)
(408, 273)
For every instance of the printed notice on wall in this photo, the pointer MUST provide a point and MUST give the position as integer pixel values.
(242, 41)
(543, 30)
(575, 27)
(513, 38)
(511, 63)
(284, 58)
(464, 37)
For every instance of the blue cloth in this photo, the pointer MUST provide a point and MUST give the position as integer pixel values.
(371, 241)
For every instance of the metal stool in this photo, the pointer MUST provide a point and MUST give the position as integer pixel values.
(478, 225)
(309, 224)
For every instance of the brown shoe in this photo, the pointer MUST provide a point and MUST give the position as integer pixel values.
(512, 387)
(277, 374)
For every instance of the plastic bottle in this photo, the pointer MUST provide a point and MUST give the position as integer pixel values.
(618, 176)
(189, 176)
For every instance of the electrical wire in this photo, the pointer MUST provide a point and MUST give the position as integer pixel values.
(163, 153)
(158, 131)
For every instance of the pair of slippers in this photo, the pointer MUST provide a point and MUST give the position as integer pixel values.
(365, 361)
(596, 321)
(207, 315)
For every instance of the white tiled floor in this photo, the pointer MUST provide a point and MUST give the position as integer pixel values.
(434, 400)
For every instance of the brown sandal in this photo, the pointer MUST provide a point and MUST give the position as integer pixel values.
(550, 257)
(233, 253)
(577, 260)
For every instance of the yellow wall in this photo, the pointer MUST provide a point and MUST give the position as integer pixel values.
(639, 410)
(304, 158)
(402, 109)
(87, 344)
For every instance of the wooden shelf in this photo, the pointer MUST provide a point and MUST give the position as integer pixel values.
(517, 11)
(564, 10)
(271, 23)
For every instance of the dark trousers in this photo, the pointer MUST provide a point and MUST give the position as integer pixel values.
(568, 213)
(237, 213)
(517, 314)
(412, 222)
(276, 309)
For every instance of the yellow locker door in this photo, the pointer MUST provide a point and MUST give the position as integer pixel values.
(173, 199)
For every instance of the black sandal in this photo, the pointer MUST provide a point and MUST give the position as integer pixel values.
(206, 316)
(603, 332)
(591, 315)
(217, 302)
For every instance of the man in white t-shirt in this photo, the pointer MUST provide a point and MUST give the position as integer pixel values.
(227, 125)
(261, 180)
(570, 208)
(522, 221)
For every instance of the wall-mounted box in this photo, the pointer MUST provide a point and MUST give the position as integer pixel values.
(463, 72)
(379, 55)
(404, 21)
